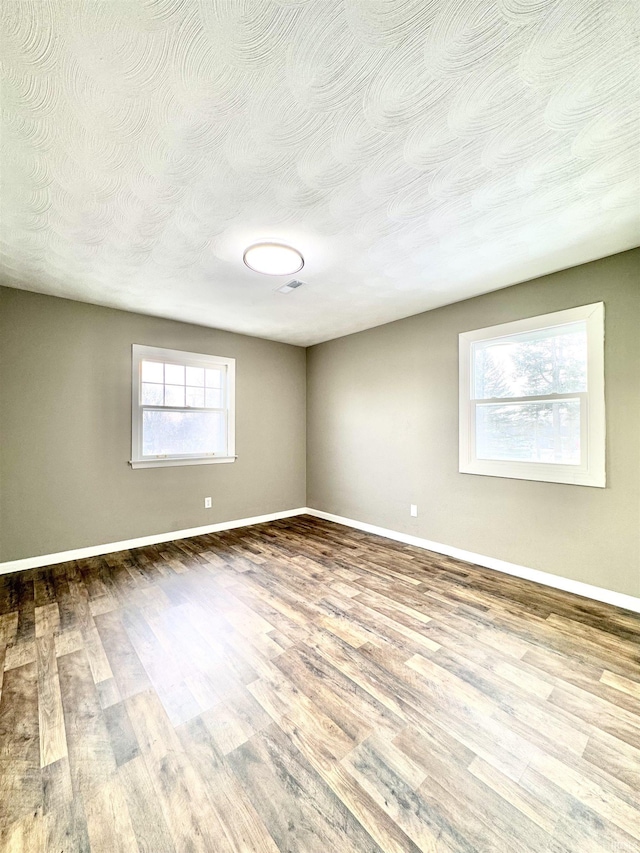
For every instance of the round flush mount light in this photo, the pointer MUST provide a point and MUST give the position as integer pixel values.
(273, 258)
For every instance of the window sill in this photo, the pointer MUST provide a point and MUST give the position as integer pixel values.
(172, 463)
(570, 475)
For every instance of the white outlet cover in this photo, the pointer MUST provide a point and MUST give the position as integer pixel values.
(207, 503)
(414, 510)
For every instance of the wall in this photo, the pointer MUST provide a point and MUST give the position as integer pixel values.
(382, 432)
(65, 427)
(382, 416)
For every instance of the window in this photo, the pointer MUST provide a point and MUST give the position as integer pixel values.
(183, 410)
(532, 398)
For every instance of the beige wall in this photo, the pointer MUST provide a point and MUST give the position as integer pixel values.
(65, 427)
(382, 433)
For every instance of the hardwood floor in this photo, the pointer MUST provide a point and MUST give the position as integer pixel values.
(299, 686)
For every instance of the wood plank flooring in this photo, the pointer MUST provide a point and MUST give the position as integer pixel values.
(305, 688)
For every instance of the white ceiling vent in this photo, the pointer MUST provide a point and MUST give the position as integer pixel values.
(289, 286)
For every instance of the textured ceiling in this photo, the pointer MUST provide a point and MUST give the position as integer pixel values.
(416, 151)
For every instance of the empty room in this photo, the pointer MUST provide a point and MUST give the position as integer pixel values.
(320, 426)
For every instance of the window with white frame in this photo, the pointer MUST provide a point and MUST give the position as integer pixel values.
(532, 398)
(183, 408)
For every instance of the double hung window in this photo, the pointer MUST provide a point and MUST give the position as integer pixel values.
(183, 409)
(532, 398)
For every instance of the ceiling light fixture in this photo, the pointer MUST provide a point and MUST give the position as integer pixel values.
(273, 258)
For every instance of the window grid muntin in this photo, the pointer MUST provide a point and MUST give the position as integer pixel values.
(221, 387)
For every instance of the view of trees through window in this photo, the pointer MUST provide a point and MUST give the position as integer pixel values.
(171, 433)
(549, 364)
(183, 409)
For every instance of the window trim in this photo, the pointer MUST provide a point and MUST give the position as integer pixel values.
(140, 352)
(592, 470)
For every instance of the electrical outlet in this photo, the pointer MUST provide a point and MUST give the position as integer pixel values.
(414, 510)
(207, 503)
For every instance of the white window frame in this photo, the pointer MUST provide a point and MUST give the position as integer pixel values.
(591, 470)
(140, 353)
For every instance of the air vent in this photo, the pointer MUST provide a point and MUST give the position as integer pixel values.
(289, 286)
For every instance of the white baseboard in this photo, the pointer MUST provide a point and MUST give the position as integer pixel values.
(608, 596)
(618, 599)
(125, 545)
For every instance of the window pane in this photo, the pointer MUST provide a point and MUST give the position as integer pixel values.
(152, 371)
(152, 394)
(214, 398)
(174, 395)
(529, 432)
(195, 376)
(544, 361)
(195, 397)
(174, 433)
(214, 378)
(174, 374)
